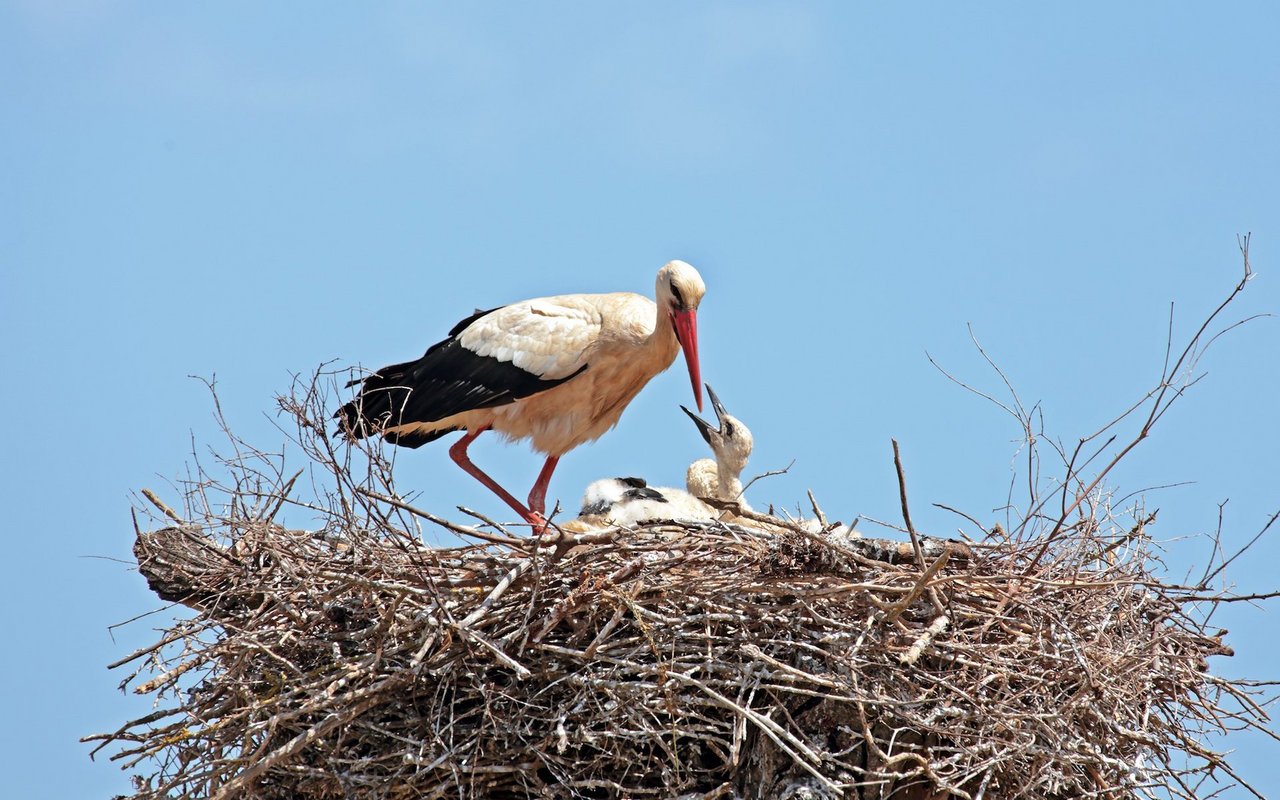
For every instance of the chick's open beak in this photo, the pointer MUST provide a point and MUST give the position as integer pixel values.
(717, 406)
(704, 427)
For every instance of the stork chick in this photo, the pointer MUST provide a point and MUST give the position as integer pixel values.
(631, 501)
(558, 371)
(731, 443)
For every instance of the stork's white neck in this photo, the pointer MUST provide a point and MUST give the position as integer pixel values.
(730, 483)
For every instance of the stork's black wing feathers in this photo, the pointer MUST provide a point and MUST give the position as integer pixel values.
(448, 379)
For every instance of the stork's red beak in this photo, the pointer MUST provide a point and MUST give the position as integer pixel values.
(686, 325)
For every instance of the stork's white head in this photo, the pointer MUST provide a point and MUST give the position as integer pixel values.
(679, 293)
(731, 442)
(680, 285)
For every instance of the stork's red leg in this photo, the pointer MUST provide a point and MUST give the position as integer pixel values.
(458, 452)
(538, 494)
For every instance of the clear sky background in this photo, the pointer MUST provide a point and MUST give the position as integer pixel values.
(249, 190)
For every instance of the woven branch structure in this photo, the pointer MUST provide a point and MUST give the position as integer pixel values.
(738, 659)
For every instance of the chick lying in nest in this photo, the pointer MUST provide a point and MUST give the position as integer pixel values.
(630, 501)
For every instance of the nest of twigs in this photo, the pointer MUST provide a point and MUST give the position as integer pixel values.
(697, 660)
(747, 658)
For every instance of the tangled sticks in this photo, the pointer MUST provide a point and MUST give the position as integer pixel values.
(710, 660)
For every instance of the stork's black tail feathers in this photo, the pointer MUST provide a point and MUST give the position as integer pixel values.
(387, 397)
(381, 403)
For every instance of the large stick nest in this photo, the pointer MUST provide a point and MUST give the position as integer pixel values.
(710, 659)
(751, 658)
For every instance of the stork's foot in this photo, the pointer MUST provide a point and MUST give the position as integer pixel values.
(538, 522)
(547, 535)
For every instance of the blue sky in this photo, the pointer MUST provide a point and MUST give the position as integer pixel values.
(248, 191)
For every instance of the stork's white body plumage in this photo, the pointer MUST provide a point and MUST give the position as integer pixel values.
(558, 371)
(609, 344)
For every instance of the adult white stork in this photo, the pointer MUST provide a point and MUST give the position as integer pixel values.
(555, 370)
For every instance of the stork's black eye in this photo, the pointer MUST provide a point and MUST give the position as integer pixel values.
(675, 294)
(728, 428)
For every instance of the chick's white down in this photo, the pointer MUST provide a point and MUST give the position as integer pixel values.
(630, 501)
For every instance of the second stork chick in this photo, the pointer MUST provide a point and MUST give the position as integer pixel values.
(731, 443)
(631, 501)
(721, 477)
